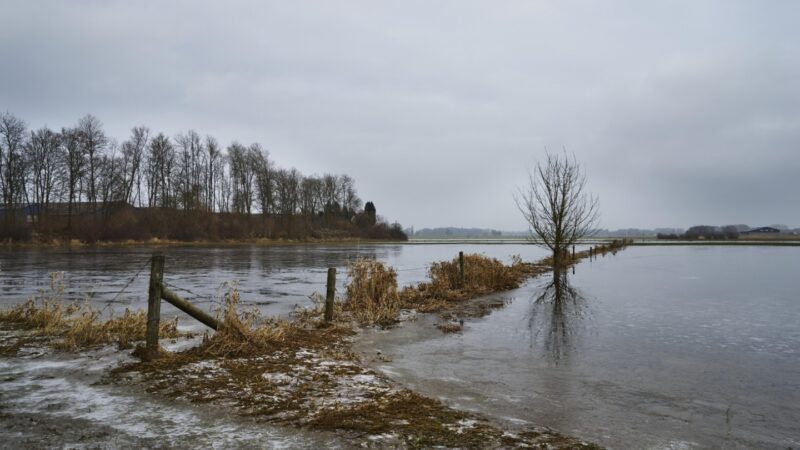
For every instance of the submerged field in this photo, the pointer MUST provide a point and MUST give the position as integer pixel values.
(658, 347)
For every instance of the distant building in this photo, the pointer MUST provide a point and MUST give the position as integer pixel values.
(762, 230)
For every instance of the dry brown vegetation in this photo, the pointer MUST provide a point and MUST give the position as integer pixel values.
(246, 334)
(371, 292)
(372, 295)
(70, 326)
(482, 275)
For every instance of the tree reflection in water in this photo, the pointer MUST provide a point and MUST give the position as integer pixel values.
(555, 318)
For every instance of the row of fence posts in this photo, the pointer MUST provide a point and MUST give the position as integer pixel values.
(158, 291)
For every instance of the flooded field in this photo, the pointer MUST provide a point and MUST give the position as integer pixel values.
(656, 347)
(275, 277)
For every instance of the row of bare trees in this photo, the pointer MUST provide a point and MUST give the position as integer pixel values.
(81, 170)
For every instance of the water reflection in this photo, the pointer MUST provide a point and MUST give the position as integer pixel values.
(555, 318)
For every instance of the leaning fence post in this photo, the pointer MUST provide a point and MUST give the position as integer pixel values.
(331, 292)
(461, 268)
(154, 304)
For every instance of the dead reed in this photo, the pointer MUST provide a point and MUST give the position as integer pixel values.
(77, 325)
(482, 275)
(243, 333)
(371, 292)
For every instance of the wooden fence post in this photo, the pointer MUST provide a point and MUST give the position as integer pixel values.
(154, 305)
(461, 268)
(573, 251)
(331, 292)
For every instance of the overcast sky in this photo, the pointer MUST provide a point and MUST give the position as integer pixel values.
(681, 112)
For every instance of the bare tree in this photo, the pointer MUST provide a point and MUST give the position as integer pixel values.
(94, 140)
(212, 168)
(557, 206)
(132, 154)
(160, 168)
(74, 162)
(242, 175)
(12, 168)
(111, 183)
(44, 159)
(263, 178)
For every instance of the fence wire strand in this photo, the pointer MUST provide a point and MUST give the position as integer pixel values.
(130, 281)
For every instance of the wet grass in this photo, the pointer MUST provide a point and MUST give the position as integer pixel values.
(76, 325)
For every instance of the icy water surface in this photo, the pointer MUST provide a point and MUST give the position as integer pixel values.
(62, 401)
(275, 277)
(657, 347)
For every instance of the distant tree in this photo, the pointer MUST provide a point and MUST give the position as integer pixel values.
(75, 163)
(12, 175)
(93, 141)
(44, 158)
(730, 232)
(111, 183)
(557, 206)
(703, 231)
(371, 213)
(133, 152)
(213, 168)
(242, 175)
(262, 167)
(160, 168)
(190, 169)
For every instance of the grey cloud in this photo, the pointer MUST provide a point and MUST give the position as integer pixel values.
(681, 111)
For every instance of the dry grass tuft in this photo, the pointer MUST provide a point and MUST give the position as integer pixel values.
(372, 295)
(243, 334)
(79, 325)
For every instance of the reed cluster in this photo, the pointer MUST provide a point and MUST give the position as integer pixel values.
(371, 292)
(482, 275)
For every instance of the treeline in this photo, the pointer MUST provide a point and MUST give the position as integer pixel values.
(706, 232)
(78, 183)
